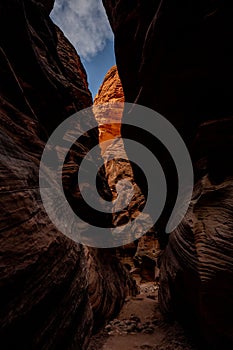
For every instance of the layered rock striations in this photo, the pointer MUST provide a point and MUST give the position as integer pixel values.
(116, 164)
(48, 283)
(111, 91)
(144, 250)
(175, 57)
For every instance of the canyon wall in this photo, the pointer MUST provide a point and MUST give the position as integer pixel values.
(176, 58)
(53, 291)
(144, 251)
(110, 91)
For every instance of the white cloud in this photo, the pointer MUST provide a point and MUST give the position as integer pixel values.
(85, 24)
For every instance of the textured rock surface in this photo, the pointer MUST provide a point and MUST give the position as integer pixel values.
(107, 292)
(111, 91)
(146, 257)
(201, 249)
(147, 247)
(175, 57)
(45, 278)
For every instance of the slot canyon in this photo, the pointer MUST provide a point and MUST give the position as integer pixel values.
(159, 292)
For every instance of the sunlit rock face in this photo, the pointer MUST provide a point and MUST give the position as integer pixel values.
(111, 91)
(146, 249)
(176, 58)
(48, 282)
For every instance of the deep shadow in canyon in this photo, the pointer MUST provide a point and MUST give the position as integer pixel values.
(174, 57)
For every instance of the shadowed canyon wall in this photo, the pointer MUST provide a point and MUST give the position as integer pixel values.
(52, 291)
(176, 58)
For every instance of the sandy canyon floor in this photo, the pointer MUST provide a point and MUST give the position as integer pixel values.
(140, 326)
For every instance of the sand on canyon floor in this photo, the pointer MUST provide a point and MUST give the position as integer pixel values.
(140, 326)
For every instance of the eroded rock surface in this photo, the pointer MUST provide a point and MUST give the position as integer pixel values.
(145, 249)
(175, 57)
(111, 91)
(48, 283)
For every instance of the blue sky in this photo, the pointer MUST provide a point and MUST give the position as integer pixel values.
(85, 24)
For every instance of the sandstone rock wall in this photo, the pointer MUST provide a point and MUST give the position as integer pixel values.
(110, 91)
(48, 283)
(175, 57)
(145, 250)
